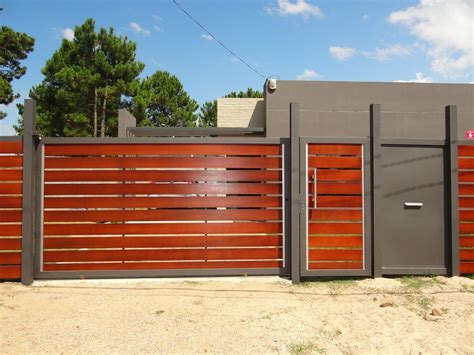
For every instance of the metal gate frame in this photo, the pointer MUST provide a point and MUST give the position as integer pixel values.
(367, 207)
(39, 197)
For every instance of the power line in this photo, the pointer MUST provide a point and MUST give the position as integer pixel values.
(218, 41)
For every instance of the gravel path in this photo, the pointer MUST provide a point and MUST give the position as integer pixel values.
(239, 315)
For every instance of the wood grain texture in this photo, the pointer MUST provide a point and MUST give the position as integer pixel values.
(334, 215)
(9, 272)
(334, 162)
(335, 228)
(334, 254)
(335, 242)
(335, 149)
(11, 147)
(335, 265)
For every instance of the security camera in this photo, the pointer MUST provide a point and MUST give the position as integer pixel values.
(272, 84)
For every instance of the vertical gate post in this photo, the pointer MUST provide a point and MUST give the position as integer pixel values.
(125, 120)
(451, 184)
(295, 192)
(27, 229)
(376, 187)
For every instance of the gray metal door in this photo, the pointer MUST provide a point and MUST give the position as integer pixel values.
(413, 229)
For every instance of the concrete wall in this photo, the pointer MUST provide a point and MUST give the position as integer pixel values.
(235, 112)
(409, 110)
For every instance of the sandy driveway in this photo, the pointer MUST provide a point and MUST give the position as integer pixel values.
(239, 315)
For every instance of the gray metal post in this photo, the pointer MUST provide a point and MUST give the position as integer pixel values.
(452, 185)
(295, 193)
(125, 120)
(376, 186)
(27, 230)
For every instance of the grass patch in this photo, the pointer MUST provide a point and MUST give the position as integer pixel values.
(417, 283)
(330, 282)
(305, 348)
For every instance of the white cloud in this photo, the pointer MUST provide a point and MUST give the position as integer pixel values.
(382, 54)
(234, 60)
(342, 53)
(307, 75)
(157, 29)
(7, 130)
(365, 17)
(446, 26)
(299, 8)
(207, 37)
(68, 34)
(135, 27)
(156, 17)
(419, 78)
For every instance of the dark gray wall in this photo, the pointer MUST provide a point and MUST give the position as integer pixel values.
(409, 110)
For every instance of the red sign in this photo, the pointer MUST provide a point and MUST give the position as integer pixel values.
(470, 134)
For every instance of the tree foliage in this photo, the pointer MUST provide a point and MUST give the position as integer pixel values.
(85, 82)
(161, 101)
(14, 47)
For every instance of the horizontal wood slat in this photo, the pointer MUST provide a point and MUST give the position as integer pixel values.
(337, 175)
(247, 264)
(466, 254)
(466, 189)
(467, 268)
(10, 216)
(162, 149)
(10, 230)
(174, 241)
(160, 202)
(466, 202)
(335, 149)
(337, 201)
(10, 189)
(334, 254)
(10, 202)
(334, 215)
(161, 228)
(337, 189)
(334, 162)
(11, 175)
(335, 228)
(162, 254)
(10, 258)
(466, 150)
(335, 265)
(10, 272)
(170, 188)
(162, 215)
(466, 217)
(10, 244)
(11, 147)
(466, 163)
(466, 241)
(164, 175)
(466, 228)
(172, 162)
(335, 241)
(11, 161)
(466, 176)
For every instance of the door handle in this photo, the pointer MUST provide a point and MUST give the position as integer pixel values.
(414, 204)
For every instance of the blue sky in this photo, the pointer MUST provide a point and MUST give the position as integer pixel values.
(355, 40)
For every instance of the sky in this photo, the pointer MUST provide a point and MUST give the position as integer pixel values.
(336, 40)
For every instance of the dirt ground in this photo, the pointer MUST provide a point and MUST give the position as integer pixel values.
(239, 315)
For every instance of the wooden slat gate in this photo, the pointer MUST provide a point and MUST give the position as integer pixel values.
(158, 207)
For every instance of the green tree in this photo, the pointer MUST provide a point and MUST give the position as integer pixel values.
(14, 47)
(85, 82)
(162, 101)
(207, 116)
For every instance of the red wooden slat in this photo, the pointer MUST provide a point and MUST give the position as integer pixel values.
(10, 272)
(162, 215)
(10, 229)
(161, 228)
(257, 264)
(337, 201)
(466, 202)
(334, 254)
(173, 241)
(10, 244)
(334, 162)
(466, 176)
(335, 241)
(466, 189)
(186, 188)
(466, 215)
(466, 150)
(467, 268)
(466, 228)
(162, 149)
(336, 189)
(14, 189)
(174, 162)
(337, 175)
(466, 254)
(166, 254)
(11, 161)
(165, 175)
(10, 202)
(336, 149)
(335, 228)
(466, 241)
(11, 174)
(10, 216)
(10, 258)
(11, 147)
(334, 215)
(466, 163)
(159, 202)
(335, 266)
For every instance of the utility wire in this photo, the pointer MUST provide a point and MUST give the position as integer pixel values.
(218, 41)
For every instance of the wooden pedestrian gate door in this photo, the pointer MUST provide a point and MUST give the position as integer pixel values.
(335, 233)
(147, 209)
